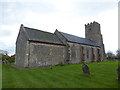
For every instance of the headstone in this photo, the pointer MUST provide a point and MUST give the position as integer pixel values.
(85, 69)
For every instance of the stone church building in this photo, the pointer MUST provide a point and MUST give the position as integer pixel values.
(37, 48)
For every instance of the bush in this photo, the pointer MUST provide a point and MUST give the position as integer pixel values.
(60, 64)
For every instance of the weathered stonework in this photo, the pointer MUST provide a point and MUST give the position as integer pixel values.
(93, 32)
(46, 55)
(35, 48)
(21, 46)
(76, 53)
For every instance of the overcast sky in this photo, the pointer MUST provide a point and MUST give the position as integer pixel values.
(69, 16)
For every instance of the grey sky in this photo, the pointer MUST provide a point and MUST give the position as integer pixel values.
(93, 8)
(65, 15)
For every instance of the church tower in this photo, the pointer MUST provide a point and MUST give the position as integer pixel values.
(93, 32)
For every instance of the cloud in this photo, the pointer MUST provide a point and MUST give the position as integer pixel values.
(14, 12)
(56, 0)
(65, 15)
(7, 41)
(90, 9)
(109, 28)
(5, 33)
(9, 47)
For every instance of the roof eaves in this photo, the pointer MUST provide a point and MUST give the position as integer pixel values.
(85, 44)
(47, 42)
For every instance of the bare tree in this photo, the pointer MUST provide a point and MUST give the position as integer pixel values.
(110, 55)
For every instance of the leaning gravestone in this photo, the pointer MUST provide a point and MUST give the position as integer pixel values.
(85, 69)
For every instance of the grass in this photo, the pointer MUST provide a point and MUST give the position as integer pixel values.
(103, 75)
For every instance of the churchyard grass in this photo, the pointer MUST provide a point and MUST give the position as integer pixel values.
(103, 75)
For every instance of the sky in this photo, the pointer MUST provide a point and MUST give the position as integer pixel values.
(69, 16)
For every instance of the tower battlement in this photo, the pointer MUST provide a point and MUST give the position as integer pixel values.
(92, 28)
(92, 23)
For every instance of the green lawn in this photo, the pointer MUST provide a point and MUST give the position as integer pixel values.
(103, 75)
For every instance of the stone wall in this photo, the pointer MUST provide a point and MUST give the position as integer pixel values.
(64, 40)
(21, 46)
(74, 52)
(46, 55)
(93, 32)
(82, 53)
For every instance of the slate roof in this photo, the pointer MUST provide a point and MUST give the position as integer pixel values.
(80, 40)
(47, 37)
(42, 36)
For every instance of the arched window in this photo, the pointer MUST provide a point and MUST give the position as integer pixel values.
(83, 54)
(87, 52)
(73, 52)
(98, 53)
(93, 56)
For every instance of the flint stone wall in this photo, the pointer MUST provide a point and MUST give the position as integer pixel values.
(46, 55)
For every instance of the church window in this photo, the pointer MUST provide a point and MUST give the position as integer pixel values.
(98, 52)
(73, 52)
(87, 52)
(83, 54)
(93, 56)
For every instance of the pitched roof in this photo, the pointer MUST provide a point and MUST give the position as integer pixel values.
(80, 40)
(42, 36)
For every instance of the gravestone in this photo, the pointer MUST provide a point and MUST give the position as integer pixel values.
(85, 69)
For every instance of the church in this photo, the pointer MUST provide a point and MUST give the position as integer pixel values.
(37, 48)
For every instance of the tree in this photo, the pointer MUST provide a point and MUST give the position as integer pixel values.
(5, 57)
(12, 58)
(118, 54)
(8, 59)
(110, 55)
